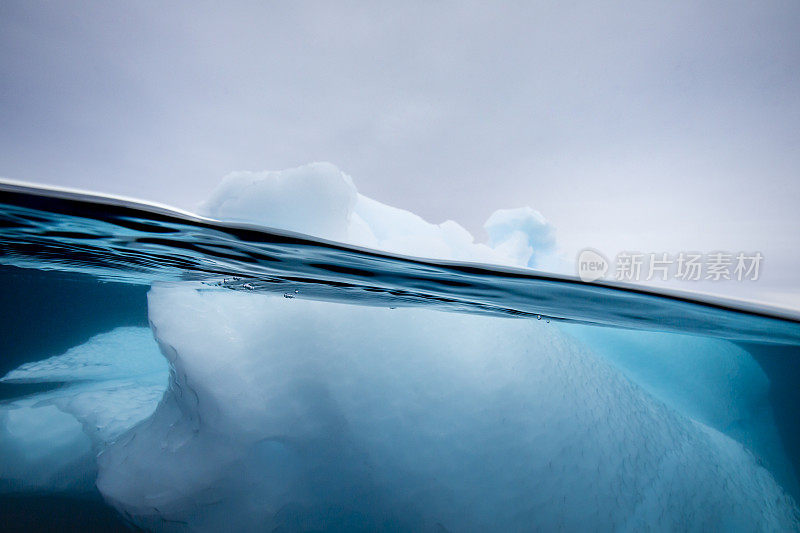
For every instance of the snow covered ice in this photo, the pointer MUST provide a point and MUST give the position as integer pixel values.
(251, 412)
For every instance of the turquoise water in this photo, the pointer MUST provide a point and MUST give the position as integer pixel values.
(77, 266)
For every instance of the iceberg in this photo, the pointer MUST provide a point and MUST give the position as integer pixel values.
(239, 410)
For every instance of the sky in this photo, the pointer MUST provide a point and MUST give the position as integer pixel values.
(650, 126)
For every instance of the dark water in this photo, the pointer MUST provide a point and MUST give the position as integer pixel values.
(46, 512)
(76, 265)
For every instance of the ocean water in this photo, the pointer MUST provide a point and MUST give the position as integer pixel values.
(169, 372)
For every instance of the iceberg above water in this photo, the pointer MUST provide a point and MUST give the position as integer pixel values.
(320, 200)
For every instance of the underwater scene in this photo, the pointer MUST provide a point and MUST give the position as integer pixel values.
(166, 371)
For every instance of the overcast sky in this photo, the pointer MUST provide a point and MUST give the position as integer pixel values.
(652, 126)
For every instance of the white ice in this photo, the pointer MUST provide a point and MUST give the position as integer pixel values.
(320, 200)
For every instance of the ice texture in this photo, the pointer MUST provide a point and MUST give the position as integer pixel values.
(709, 380)
(315, 199)
(288, 414)
(523, 231)
(48, 441)
(120, 353)
(320, 200)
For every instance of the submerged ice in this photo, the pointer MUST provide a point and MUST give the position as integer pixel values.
(302, 415)
(245, 411)
(102, 388)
